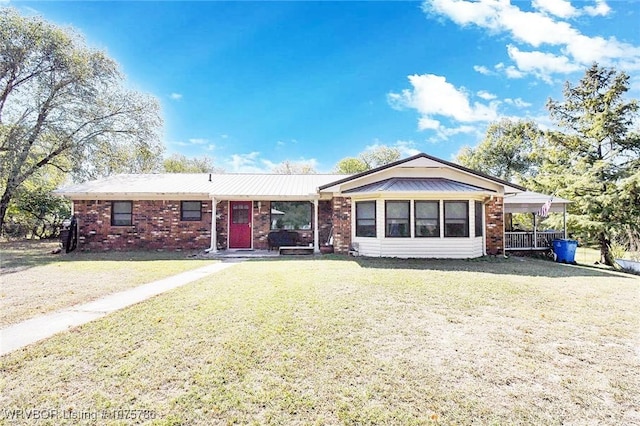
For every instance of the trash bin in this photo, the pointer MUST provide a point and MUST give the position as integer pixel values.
(565, 250)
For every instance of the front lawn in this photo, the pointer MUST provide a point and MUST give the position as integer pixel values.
(346, 341)
(36, 282)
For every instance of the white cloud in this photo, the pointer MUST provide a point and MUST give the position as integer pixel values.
(539, 29)
(425, 123)
(253, 162)
(445, 133)
(601, 8)
(482, 69)
(541, 64)
(518, 102)
(486, 95)
(513, 72)
(198, 141)
(564, 9)
(406, 148)
(431, 95)
(175, 96)
(246, 163)
(559, 8)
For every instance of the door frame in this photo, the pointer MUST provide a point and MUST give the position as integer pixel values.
(230, 218)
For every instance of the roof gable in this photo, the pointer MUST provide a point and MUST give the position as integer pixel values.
(424, 161)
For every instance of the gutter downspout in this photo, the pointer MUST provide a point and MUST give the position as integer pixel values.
(316, 232)
(213, 248)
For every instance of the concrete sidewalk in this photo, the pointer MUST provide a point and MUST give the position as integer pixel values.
(32, 330)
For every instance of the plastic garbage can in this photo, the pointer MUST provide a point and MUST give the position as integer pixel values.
(565, 250)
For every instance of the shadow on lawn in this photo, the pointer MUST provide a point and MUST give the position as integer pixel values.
(522, 266)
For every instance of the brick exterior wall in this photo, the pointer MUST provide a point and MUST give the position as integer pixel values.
(261, 224)
(156, 225)
(494, 219)
(325, 219)
(341, 217)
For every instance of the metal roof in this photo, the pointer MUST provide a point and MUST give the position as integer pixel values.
(220, 185)
(530, 197)
(416, 185)
(530, 202)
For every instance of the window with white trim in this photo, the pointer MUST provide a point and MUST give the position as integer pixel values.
(397, 219)
(456, 219)
(427, 218)
(365, 218)
(479, 225)
(291, 215)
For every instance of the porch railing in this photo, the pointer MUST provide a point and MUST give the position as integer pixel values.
(526, 241)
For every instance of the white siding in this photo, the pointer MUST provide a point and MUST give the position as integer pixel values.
(412, 247)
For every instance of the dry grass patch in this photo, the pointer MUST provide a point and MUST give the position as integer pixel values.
(356, 342)
(35, 282)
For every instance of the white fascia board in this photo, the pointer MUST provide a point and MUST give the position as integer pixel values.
(232, 197)
(467, 195)
(79, 196)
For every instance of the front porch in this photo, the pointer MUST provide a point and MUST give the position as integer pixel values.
(523, 240)
(532, 238)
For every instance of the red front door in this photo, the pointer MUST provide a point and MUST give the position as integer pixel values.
(240, 224)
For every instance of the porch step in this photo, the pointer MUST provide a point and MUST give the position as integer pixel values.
(295, 250)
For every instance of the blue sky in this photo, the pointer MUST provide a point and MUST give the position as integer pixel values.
(252, 84)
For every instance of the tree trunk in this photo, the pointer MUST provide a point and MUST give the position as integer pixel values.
(605, 253)
(4, 206)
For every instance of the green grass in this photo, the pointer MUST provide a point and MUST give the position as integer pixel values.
(36, 282)
(355, 341)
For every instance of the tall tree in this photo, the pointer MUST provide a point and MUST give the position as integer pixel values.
(288, 167)
(35, 210)
(380, 155)
(179, 163)
(351, 165)
(371, 158)
(63, 105)
(510, 150)
(596, 154)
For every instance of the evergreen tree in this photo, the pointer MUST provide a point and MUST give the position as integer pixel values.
(594, 156)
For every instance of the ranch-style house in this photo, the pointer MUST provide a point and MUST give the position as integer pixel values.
(421, 206)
